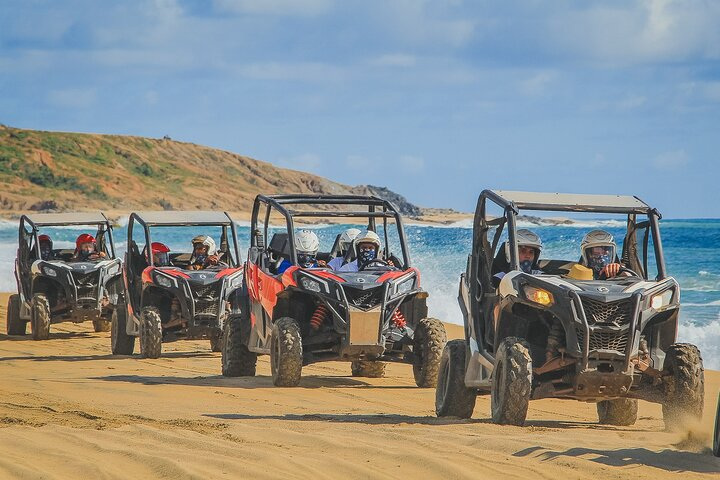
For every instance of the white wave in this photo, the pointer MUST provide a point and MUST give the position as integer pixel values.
(715, 303)
(706, 338)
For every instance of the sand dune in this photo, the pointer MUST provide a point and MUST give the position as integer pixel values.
(69, 409)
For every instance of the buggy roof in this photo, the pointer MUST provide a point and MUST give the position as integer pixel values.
(569, 202)
(179, 218)
(76, 218)
(280, 201)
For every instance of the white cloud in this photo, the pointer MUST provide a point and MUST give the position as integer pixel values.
(537, 84)
(674, 160)
(306, 8)
(394, 60)
(411, 164)
(304, 71)
(643, 31)
(72, 98)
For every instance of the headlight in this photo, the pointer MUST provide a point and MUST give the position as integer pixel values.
(661, 299)
(538, 295)
(310, 284)
(405, 286)
(164, 281)
(49, 272)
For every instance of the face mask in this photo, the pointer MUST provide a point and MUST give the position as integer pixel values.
(45, 252)
(598, 262)
(366, 256)
(85, 254)
(305, 260)
(200, 259)
(526, 266)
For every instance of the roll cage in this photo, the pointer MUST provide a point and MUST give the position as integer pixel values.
(286, 205)
(146, 220)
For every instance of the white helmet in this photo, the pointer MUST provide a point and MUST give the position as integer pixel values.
(368, 236)
(525, 238)
(207, 241)
(597, 238)
(346, 238)
(307, 242)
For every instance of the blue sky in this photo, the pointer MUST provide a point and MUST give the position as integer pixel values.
(436, 100)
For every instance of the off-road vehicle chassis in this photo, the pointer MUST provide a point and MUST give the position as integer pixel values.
(617, 336)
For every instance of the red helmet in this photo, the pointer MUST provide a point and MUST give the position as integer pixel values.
(158, 247)
(160, 254)
(84, 238)
(44, 238)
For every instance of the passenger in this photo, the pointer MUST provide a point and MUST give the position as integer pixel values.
(367, 247)
(46, 247)
(86, 249)
(529, 248)
(307, 245)
(599, 253)
(344, 245)
(204, 254)
(160, 254)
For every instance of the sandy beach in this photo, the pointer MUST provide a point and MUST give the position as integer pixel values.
(70, 409)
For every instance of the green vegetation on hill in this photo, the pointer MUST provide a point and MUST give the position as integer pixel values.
(71, 171)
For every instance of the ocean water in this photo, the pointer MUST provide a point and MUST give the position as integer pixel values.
(692, 256)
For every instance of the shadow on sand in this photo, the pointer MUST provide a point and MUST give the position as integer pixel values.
(379, 419)
(668, 460)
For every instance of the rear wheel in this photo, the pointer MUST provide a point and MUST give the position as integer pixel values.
(621, 412)
(512, 382)
(684, 384)
(101, 325)
(286, 353)
(150, 333)
(14, 325)
(40, 317)
(428, 343)
(452, 397)
(120, 342)
(237, 360)
(367, 368)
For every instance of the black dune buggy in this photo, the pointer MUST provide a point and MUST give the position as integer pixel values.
(57, 289)
(171, 302)
(616, 337)
(306, 315)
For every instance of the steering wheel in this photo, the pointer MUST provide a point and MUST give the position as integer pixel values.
(622, 270)
(377, 264)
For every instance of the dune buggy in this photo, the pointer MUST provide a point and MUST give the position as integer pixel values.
(54, 287)
(306, 315)
(616, 337)
(165, 302)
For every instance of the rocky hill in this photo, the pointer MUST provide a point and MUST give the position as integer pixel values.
(53, 171)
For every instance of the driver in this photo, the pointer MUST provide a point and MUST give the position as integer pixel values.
(367, 246)
(46, 247)
(160, 254)
(307, 245)
(345, 244)
(204, 254)
(86, 249)
(599, 253)
(529, 248)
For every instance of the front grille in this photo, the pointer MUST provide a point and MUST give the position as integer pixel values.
(604, 340)
(364, 299)
(207, 299)
(87, 285)
(608, 313)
